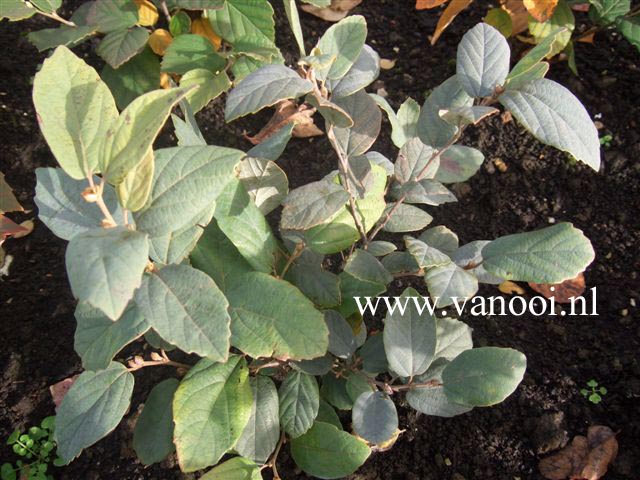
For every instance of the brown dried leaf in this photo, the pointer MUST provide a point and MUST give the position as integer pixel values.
(28, 228)
(587, 38)
(333, 13)
(8, 201)
(562, 465)
(60, 389)
(561, 292)
(288, 111)
(519, 15)
(9, 228)
(425, 4)
(452, 10)
(510, 288)
(581, 7)
(541, 10)
(604, 448)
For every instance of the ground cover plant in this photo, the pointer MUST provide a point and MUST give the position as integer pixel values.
(257, 306)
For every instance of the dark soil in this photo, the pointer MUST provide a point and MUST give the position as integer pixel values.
(540, 186)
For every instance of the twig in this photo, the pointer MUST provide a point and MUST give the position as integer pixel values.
(390, 389)
(56, 17)
(275, 363)
(98, 190)
(165, 10)
(295, 254)
(272, 461)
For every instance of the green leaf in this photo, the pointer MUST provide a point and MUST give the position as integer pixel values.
(265, 182)
(197, 173)
(527, 68)
(404, 123)
(326, 452)
(373, 354)
(136, 186)
(458, 163)
(316, 366)
(555, 117)
(243, 223)
(327, 414)
(318, 285)
(500, 19)
(238, 19)
(190, 51)
(406, 218)
(120, 46)
(48, 6)
(442, 238)
(362, 73)
(374, 417)
(299, 403)
(364, 266)
(397, 262)
(196, 4)
(331, 112)
(482, 61)
(483, 376)
(367, 120)
(210, 86)
(218, 257)
(426, 191)
(16, 10)
(111, 15)
(409, 338)
(75, 111)
(91, 409)
(448, 282)
(431, 128)
(291, 10)
(132, 134)
(608, 11)
(630, 28)
(211, 407)
(272, 147)
(342, 341)
(334, 391)
(312, 204)
(105, 266)
(136, 77)
(187, 309)
(416, 161)
(562, 18)
(271, 317)
(551, 255)
(263, 88)
(345, 40)
(469, 257)
(260, 437)
(62, 208)
(64, 35)
(98, 338)
(453, 338)
(381, 248)
(238, 468)
(433, 400)
(180, 24)
(357, 384)
(153, 433)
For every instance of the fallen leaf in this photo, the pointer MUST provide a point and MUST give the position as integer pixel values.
(452, 10)
(386, 64)
(541, 10)
(165, 80)
(506, 117)
(160, 40)
(147, 13)
(60, 389)
(288, 111)
(519, 15)
(425, 4)
(587, 38)
(202, 26)
(500, 165)
(9, 228)
(581, 7)
(587, 458)
(8, 201)
(333, 13)
(561, 292)
(511, 288)
(28, 228)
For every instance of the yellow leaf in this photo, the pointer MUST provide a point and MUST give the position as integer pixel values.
(160, 40)
(201, 26)
(541, 10)
(147, 13)
(424, 4)
(452, 10)
(164, 80)
(519, 16)
(511, 288)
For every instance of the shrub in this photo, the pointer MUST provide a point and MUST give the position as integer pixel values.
(173, 244)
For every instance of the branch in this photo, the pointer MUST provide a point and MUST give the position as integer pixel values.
(57, 18)
(98, 190)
